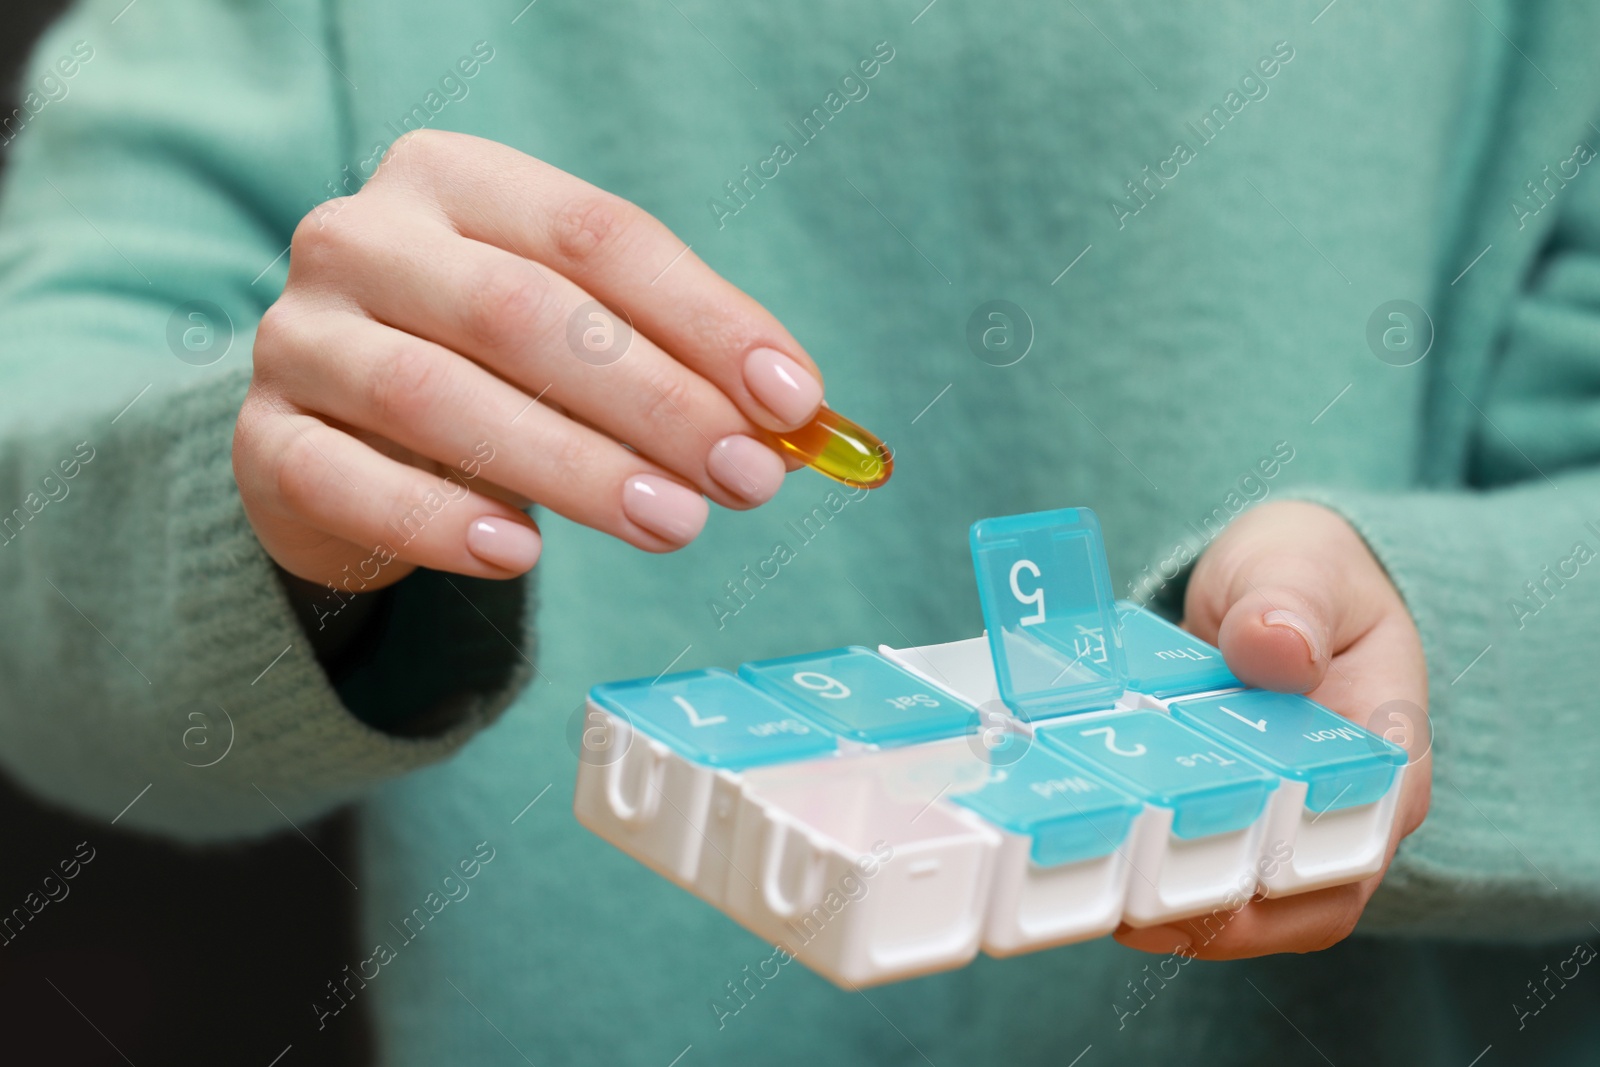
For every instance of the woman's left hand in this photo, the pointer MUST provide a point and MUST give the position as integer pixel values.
(1297, 603)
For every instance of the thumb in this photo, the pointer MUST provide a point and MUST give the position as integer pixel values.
(1284, 589)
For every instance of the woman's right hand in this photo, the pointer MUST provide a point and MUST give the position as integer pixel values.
(440, 359)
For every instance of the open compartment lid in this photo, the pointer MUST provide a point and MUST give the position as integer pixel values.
(1048, 605)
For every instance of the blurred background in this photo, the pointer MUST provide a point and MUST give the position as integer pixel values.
(106, 975)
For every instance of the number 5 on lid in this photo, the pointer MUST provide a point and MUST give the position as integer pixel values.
(1047, 603)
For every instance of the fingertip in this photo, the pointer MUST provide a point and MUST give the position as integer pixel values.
(1279, 620)
(505, 543)
(1273, 647)
(746, 468)
(674, 513)
(788, 391)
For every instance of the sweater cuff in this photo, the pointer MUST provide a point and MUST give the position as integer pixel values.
(447, 660)
(1481, 864)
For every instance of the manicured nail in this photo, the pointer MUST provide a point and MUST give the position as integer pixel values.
(746, 468)
(782, 385)
(1300, 626)
(665, 508)
(504, 543)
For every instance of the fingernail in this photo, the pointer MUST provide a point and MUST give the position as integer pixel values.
(504, 543)
(746, 467)
(786, 389)
(1300, 626)
(665, 508)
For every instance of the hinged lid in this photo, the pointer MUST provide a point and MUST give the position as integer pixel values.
(1048, 605)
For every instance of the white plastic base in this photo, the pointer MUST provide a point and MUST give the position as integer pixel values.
(655, 805)
(1306, 850)
(1174, 878)
(1034, 907)
(856, 869)
(861, 866)
(962, 668)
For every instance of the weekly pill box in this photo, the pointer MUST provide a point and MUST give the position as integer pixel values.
(885, 813)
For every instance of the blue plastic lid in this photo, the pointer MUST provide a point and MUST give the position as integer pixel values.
(858, 694)
(713, 718)
(1164, 661)
(1071, 815)
(1048, 605)
(1210, 788)
(1343, 765)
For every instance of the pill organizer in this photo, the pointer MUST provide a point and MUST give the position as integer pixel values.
(885, 813)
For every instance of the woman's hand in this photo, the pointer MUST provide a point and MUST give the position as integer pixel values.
(1297, 603)
(440, 358)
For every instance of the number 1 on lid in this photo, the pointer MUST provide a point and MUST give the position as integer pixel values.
(1258, 724)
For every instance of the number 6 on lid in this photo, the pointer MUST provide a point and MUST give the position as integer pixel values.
(858, 694)
(1048, 605)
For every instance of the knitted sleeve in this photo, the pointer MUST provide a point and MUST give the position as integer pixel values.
(151, 668)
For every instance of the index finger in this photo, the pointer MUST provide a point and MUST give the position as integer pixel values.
(623, 256)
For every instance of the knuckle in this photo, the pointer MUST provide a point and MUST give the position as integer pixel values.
(505, 308)
(248, 444)
(565, 457)
(421, 142)
(283, 332)
(667, 400)
(426, 143)
(324, 238)
(404, 385)
(590, 225)
(300, 473)
(272, 331)
(290, 341)
(420, 162)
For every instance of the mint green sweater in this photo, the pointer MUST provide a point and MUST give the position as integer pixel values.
(1200, 212)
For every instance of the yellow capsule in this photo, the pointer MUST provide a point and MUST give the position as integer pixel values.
(833, 445)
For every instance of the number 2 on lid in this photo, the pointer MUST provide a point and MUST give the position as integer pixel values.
(1110, 734)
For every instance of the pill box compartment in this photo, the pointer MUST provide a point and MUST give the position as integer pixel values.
(873, 865)
(1311, 849)
(887, 815)
(849, 860)
(658, 774)
(1062, 868)
(669, 813)
(870, 866)
(858, 869)
(1330, 821)
(1171, 872)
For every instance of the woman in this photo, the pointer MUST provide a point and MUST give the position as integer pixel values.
(1244, 253)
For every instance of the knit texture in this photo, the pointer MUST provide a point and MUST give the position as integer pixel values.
(115, 684)
(1190, 314)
